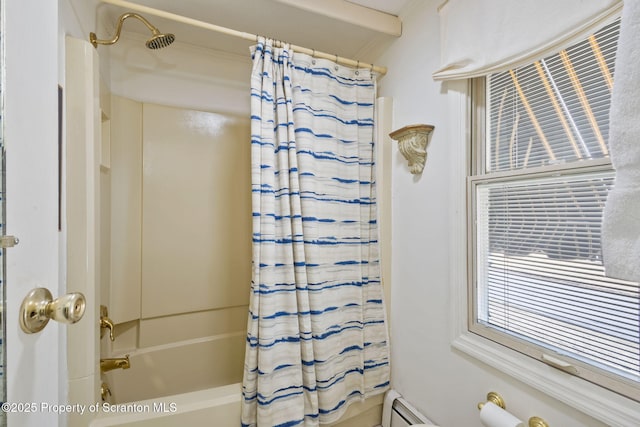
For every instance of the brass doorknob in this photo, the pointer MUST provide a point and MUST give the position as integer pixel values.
(39, 307)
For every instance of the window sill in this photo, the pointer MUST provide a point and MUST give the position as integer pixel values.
(606, 406)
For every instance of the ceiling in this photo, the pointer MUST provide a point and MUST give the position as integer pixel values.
(271, 18)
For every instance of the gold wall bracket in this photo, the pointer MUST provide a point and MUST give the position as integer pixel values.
(412, 143)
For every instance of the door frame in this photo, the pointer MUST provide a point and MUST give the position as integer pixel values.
(83, 142)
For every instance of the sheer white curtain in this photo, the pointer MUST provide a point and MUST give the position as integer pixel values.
(317, 339)
(479, 37)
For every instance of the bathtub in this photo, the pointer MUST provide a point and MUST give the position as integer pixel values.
(194, 382)
(179, 367)
(218, 406)
(189, 382)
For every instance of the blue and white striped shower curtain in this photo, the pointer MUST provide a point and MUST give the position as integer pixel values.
(317, 339)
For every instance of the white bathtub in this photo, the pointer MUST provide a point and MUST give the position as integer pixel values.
(218, 407)
(179, 367)
(193, 382)
(157, 390)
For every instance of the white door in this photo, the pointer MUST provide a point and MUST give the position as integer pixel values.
(51, 376)
(35, 369)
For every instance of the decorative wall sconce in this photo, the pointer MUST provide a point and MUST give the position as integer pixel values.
(412, 142)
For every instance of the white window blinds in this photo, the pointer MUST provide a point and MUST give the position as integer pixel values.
(542, 278)
(556, 109)
(537, 203)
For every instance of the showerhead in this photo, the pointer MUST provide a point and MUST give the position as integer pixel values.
(158, 40)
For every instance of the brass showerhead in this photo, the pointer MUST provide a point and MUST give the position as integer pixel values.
(158, 40)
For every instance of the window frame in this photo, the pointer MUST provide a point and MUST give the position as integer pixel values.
(598, 402)
(563, 362)
(480, 173)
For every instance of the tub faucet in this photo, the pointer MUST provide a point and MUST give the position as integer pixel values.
(106, 323)
(117, 363)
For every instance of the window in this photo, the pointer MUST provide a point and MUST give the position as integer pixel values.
(539, 181)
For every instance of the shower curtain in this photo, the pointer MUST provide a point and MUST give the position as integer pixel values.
(317, 339)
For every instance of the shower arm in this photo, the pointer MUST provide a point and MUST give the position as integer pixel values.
(95, 42)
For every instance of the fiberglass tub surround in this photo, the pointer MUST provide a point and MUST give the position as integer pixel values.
(178, 301)
(183, 256)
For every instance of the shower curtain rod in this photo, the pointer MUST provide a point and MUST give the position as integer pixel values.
(247, 36)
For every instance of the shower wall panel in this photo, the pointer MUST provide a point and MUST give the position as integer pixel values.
(126, 210)
(180, 225)
(196, 217)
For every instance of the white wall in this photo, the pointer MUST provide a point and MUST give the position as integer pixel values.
(442, 382)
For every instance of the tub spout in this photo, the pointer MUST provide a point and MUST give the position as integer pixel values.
(117, 363)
